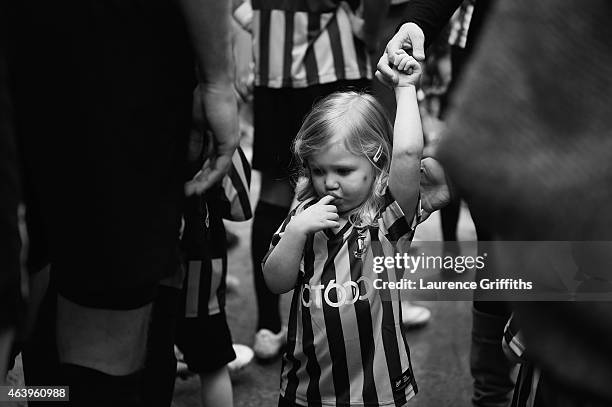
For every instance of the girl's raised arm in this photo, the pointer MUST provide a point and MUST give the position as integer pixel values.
(407, 137)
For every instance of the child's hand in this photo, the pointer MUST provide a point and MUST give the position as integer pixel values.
(317, 217)
(407, 68)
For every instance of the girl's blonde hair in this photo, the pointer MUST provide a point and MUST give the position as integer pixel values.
(363, 124)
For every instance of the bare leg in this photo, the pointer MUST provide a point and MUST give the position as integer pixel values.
(217, 389)
(110, 341)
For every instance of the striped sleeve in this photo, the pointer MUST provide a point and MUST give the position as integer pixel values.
(393, 223)
(236, 204)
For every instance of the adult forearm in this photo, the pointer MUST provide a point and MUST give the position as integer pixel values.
(209, 25)
(222, 116)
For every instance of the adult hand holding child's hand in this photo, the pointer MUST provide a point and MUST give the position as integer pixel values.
(322, 215)
(408, 37)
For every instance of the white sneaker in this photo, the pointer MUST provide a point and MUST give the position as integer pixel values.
(414, 316)
(244, 356)
(268, 344)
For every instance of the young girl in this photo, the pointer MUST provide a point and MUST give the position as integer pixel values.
(359, 200)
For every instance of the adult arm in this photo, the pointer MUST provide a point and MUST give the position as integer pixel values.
(209, 24)
(424, 21)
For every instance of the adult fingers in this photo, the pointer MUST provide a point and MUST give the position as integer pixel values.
(416, 38)
(209, 175)
(408, 37)
(397, 42)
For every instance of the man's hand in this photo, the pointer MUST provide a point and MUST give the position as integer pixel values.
(209, 25)
(319, 216)
(215, 106)
(435, 193)
(212, 172)
(409, 38)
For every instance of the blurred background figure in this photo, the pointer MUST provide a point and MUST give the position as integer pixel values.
(302, 52)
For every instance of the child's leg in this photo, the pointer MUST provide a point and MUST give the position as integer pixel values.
(206, 344)
(267, 219)
(202, 334)
(217, 388)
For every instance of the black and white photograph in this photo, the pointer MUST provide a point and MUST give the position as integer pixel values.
(296, 203)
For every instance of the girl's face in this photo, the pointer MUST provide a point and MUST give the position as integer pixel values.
(338, 172)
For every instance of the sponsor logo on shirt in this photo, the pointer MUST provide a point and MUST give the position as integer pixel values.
(335, 294)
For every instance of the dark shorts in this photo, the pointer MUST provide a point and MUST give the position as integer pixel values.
(202, 333)
(206, 342)
(278, 116)
(105, 152)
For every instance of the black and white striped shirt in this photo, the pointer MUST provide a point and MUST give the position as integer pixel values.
(345, 345)
(302, 43)
(205, 247)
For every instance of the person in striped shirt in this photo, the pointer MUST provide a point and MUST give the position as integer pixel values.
(302, 51)
(190, 310)
(359, 203)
